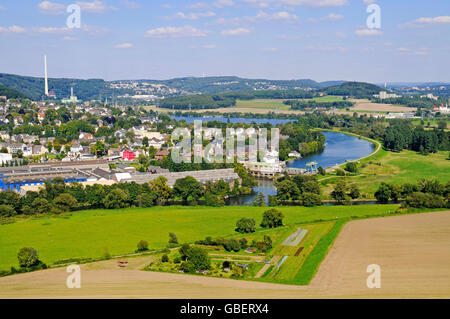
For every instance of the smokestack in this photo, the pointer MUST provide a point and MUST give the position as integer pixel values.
(46, 77)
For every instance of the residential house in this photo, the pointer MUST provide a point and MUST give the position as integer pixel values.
(161, 154)
(128, 156)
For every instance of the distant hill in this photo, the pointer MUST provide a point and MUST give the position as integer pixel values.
(354, 89)
(34, 87)
(11, 93)
(98, 89)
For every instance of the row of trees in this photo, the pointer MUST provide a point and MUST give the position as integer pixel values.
(57, 197)
(424, 194)
(402, 135)
(311, 104)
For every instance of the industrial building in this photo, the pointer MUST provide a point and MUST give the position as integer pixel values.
(228, 175)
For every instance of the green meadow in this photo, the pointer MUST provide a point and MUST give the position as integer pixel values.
(397, 168)
(89, 234)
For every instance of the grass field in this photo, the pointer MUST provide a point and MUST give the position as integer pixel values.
(398, 168)
(88, 234)
(291, 268)
(262, 104)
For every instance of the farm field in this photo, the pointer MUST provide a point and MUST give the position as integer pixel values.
(367, 106)
(412, 251)
(296, 255)
(90, 234)
(398, 168)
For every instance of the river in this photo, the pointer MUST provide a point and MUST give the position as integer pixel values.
(339, 149)
(233, 120)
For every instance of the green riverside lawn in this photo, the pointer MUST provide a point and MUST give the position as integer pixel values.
(89, 234)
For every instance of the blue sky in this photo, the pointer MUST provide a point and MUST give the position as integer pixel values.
(274, 39)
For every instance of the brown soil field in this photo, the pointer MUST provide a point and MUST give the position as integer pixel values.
(365, 105)
(412, 251)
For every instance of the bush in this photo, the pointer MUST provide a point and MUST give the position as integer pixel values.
(142, 245)
(273, 201)
(173, 239)
(383, 193)
(196, 259)
(7, 211)
(28, 257)
(232, 245)
(351, 167)
(65, 202)
(272, 218)
(165, 258)
(311, 199)
(246, 225)
(422, 200)
(340, 172)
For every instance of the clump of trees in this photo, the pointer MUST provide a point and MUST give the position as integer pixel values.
(272, 218)
(57, 197)
(195, 259)
(303, 188)
(343, 192)
(424, 194)
(142, 246)
(402, 135)
(246, 225)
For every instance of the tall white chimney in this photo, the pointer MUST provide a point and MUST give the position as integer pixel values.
(46, 77)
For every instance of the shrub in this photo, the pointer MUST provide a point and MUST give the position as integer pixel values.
(311, 199)
(422, 200)
(232, 245)
(65, 202)
(273, 201)
(7, 211)
(142, 245)
(246, 225)
(272, 218)
(351, 167)
(165, 258)
(28, 257)
(173, 239)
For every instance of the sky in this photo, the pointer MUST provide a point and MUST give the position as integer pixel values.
(267, 39)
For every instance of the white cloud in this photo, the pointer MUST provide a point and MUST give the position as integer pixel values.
(330, 17)
(258, 3)
(223, 3)
(192, 15)
(407, 51)
(198, 5)
(420, 22)
(369, 1)
(52, 30)
(341, 35)
(368, 32)
(69, 38)
(326, 49)
(95, 6)
(12, 29)
(270, 49)
(209, 46)
(124, 46)
(175, 32)
(316, 3)
(238, 31)
(2, 8)
(131, 4)
(47, 7)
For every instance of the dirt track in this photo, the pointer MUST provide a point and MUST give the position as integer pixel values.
(413, 252)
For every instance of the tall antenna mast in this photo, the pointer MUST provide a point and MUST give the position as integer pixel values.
(46, 76)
